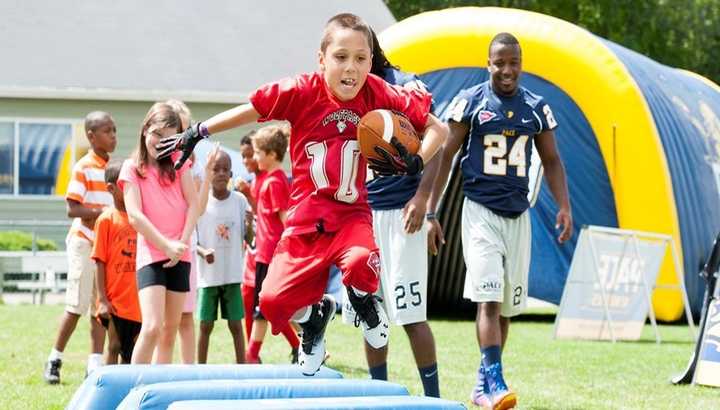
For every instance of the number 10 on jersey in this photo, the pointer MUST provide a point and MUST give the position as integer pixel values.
(349, 162)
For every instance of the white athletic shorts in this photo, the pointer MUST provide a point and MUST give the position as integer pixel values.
(403, 270)
(497, 256)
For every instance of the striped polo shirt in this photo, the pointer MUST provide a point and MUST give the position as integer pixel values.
(87, 186)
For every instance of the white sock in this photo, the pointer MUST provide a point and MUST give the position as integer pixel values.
(94, 361)
(358, 292)
(55, 355)
(303, 316)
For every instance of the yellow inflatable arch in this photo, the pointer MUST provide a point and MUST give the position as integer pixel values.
(583, 66)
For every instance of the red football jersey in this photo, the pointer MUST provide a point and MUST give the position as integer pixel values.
(328, 186)
(272, 198)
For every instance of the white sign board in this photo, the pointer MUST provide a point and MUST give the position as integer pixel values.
(608, 288)
(708, 366)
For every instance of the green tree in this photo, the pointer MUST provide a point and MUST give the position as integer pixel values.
(678, 33)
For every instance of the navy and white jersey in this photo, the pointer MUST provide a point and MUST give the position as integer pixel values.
(495, 158)
(393, 192)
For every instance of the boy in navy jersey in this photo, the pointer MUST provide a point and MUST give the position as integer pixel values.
(398, 204)
(496, 123)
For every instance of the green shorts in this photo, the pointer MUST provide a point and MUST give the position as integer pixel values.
(228, 297)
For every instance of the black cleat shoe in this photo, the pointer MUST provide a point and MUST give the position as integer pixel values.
(372, 317)
(52, 371)
(294, 356)
(312, 353)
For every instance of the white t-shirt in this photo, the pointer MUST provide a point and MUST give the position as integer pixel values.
(222, 228)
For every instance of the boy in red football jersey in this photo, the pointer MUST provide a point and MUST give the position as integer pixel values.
(329, 220)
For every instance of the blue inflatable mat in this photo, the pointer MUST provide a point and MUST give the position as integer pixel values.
(107, 386)
(355, 403)
(161, 395)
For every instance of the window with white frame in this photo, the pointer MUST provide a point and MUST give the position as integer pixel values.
(31, 155)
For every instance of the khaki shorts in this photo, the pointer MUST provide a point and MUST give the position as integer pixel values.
(80, 295)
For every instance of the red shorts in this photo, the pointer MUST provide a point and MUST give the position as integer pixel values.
(248, 295)
(298, 272)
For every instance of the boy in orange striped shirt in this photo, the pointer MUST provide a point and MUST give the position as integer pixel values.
(86, 197)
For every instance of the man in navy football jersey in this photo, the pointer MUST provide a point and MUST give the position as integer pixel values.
(496, 123)
(398, 204)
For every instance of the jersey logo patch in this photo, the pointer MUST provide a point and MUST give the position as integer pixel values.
(374, 262)
(485, 116)
(341, 117)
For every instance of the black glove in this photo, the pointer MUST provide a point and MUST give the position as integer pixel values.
(185, 142)
(402, 163)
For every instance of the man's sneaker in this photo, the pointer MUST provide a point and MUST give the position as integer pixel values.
(52, 371)
(480, 393)
(501, 397)
(294, 356)
(372, 317)
(312, 353)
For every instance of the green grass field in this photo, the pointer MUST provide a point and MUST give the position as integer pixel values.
(547, 374)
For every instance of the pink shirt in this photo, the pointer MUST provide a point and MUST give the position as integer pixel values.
(163, 203)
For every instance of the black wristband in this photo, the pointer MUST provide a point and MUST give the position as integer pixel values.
(430, 216)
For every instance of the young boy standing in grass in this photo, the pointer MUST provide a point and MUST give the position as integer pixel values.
(86, 197)
(114, 253)
(221, 231)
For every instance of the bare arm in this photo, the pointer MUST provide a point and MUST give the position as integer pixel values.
(555, 175)
(105, 307)
(244, 188)
(414, 210)
(191, 197)
(249, 232)
(203, 188)
(232, 118)
(77, 210)
(458, 133)
(434, 136)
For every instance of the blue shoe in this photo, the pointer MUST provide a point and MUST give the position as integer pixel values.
(501, 397)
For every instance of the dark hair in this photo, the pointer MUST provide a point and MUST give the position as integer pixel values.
(379, 60)
(95, 119)
(112, 171)
(505, 39)
(160, 115)
(345, 20)
(180, 109)
(223, 154)
(273, 138)
(247, 138)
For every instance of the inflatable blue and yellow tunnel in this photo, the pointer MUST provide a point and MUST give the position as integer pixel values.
(640, 141)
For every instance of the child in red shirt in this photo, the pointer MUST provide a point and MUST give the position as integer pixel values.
(329, 221)
(272, 194)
